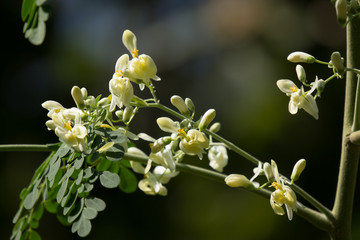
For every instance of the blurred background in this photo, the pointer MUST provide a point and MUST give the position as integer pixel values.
(225, 55)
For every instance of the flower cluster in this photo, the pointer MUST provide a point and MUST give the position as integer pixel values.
(301, 99)
(283, 195)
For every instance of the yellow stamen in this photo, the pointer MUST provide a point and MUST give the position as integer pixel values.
(135, 53)
(276, 185)
(67, 125)
(119, 73)
(181, 133)
(107, 126)
(151, 145)
(293, 89)
(57, 110)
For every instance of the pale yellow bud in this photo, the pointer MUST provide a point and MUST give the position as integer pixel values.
(104, 101)
(301, 74)
(127, 113)
(189, 103)
(84, 92)
(207, 118)
(298, 57)
(355, 137)
(338, 63)
(297, 170)
(160, 143)
(269, 172)
(215, 127)
(238, 180)
(179, 103)
(78, 97)
(340, 7)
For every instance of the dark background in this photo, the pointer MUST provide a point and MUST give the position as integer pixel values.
(225, 55)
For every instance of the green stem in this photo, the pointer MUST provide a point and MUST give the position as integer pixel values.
(29, 147)
(356, 122)
(343, 205)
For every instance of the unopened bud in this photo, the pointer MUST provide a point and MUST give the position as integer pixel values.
(160, 143)
(207, 118)
(338, 63)
(129, 40)
(50, 125)
(298, 57)
(215, 127)
(268, 172)
(84, 92)
(190, 104)
(167, 124)
(238, 180)
(104, 101)
(127, 113)
(340, 7)
(301, 74)
(78, 97)
(119, 114)
(90, 102)
(179, 103)
(297, 170)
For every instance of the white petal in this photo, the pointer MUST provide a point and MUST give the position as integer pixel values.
(122, 63)
(285, 85)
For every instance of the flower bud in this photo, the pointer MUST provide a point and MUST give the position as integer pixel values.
(179, 103)
(340, 7)
(90, 102)
(268, 172)
(206, 119)
(119, 114)
(50, 125)
(78, 97)
(127, 113)
(238, 180)
(189, 103)
(160, 143)
(103, 101)
(301, 74)
(297, 170)
(167, 125)
(215, 127)
(84, 92)
(297, 57)
(129, 40)
(337, 61)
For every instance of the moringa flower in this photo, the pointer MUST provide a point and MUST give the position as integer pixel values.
(298, 98)
(218, 157)
(193, 142)
(283, 195)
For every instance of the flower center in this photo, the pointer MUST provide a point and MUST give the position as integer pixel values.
(67, 125)
(276, 186)
(135, 53)
(294, 89)
(119, 73)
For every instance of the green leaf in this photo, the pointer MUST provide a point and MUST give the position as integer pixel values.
(54, 168)
(84, 227)
(89, 213)
(51, 206)
(62, 219)
(95, 203)
(78, 162)
(88, 173)
(70, 203)
(33, 235)
(38, 212)
(103, 165)
(109, 179)
(62, 190)
(18, 214)
(26, 8)
(114, 168)
(128, 180)
(31, 199)
(93, 158)
(79, 177)
(115, 153)
(23, 193)
(76, 211)
(34, 224)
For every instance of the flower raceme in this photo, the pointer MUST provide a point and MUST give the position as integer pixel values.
(299, 99)
(67, 125)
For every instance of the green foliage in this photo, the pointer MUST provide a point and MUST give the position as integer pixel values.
(34, 15)
(63, 183)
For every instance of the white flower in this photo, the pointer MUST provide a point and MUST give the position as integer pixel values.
(218, 157)
(167, 124)
(283, 195)
(121, 92)
(52, 107)
(193, 142)
(164, 158)
(238, 180)
(298, 98)
(70, 129)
